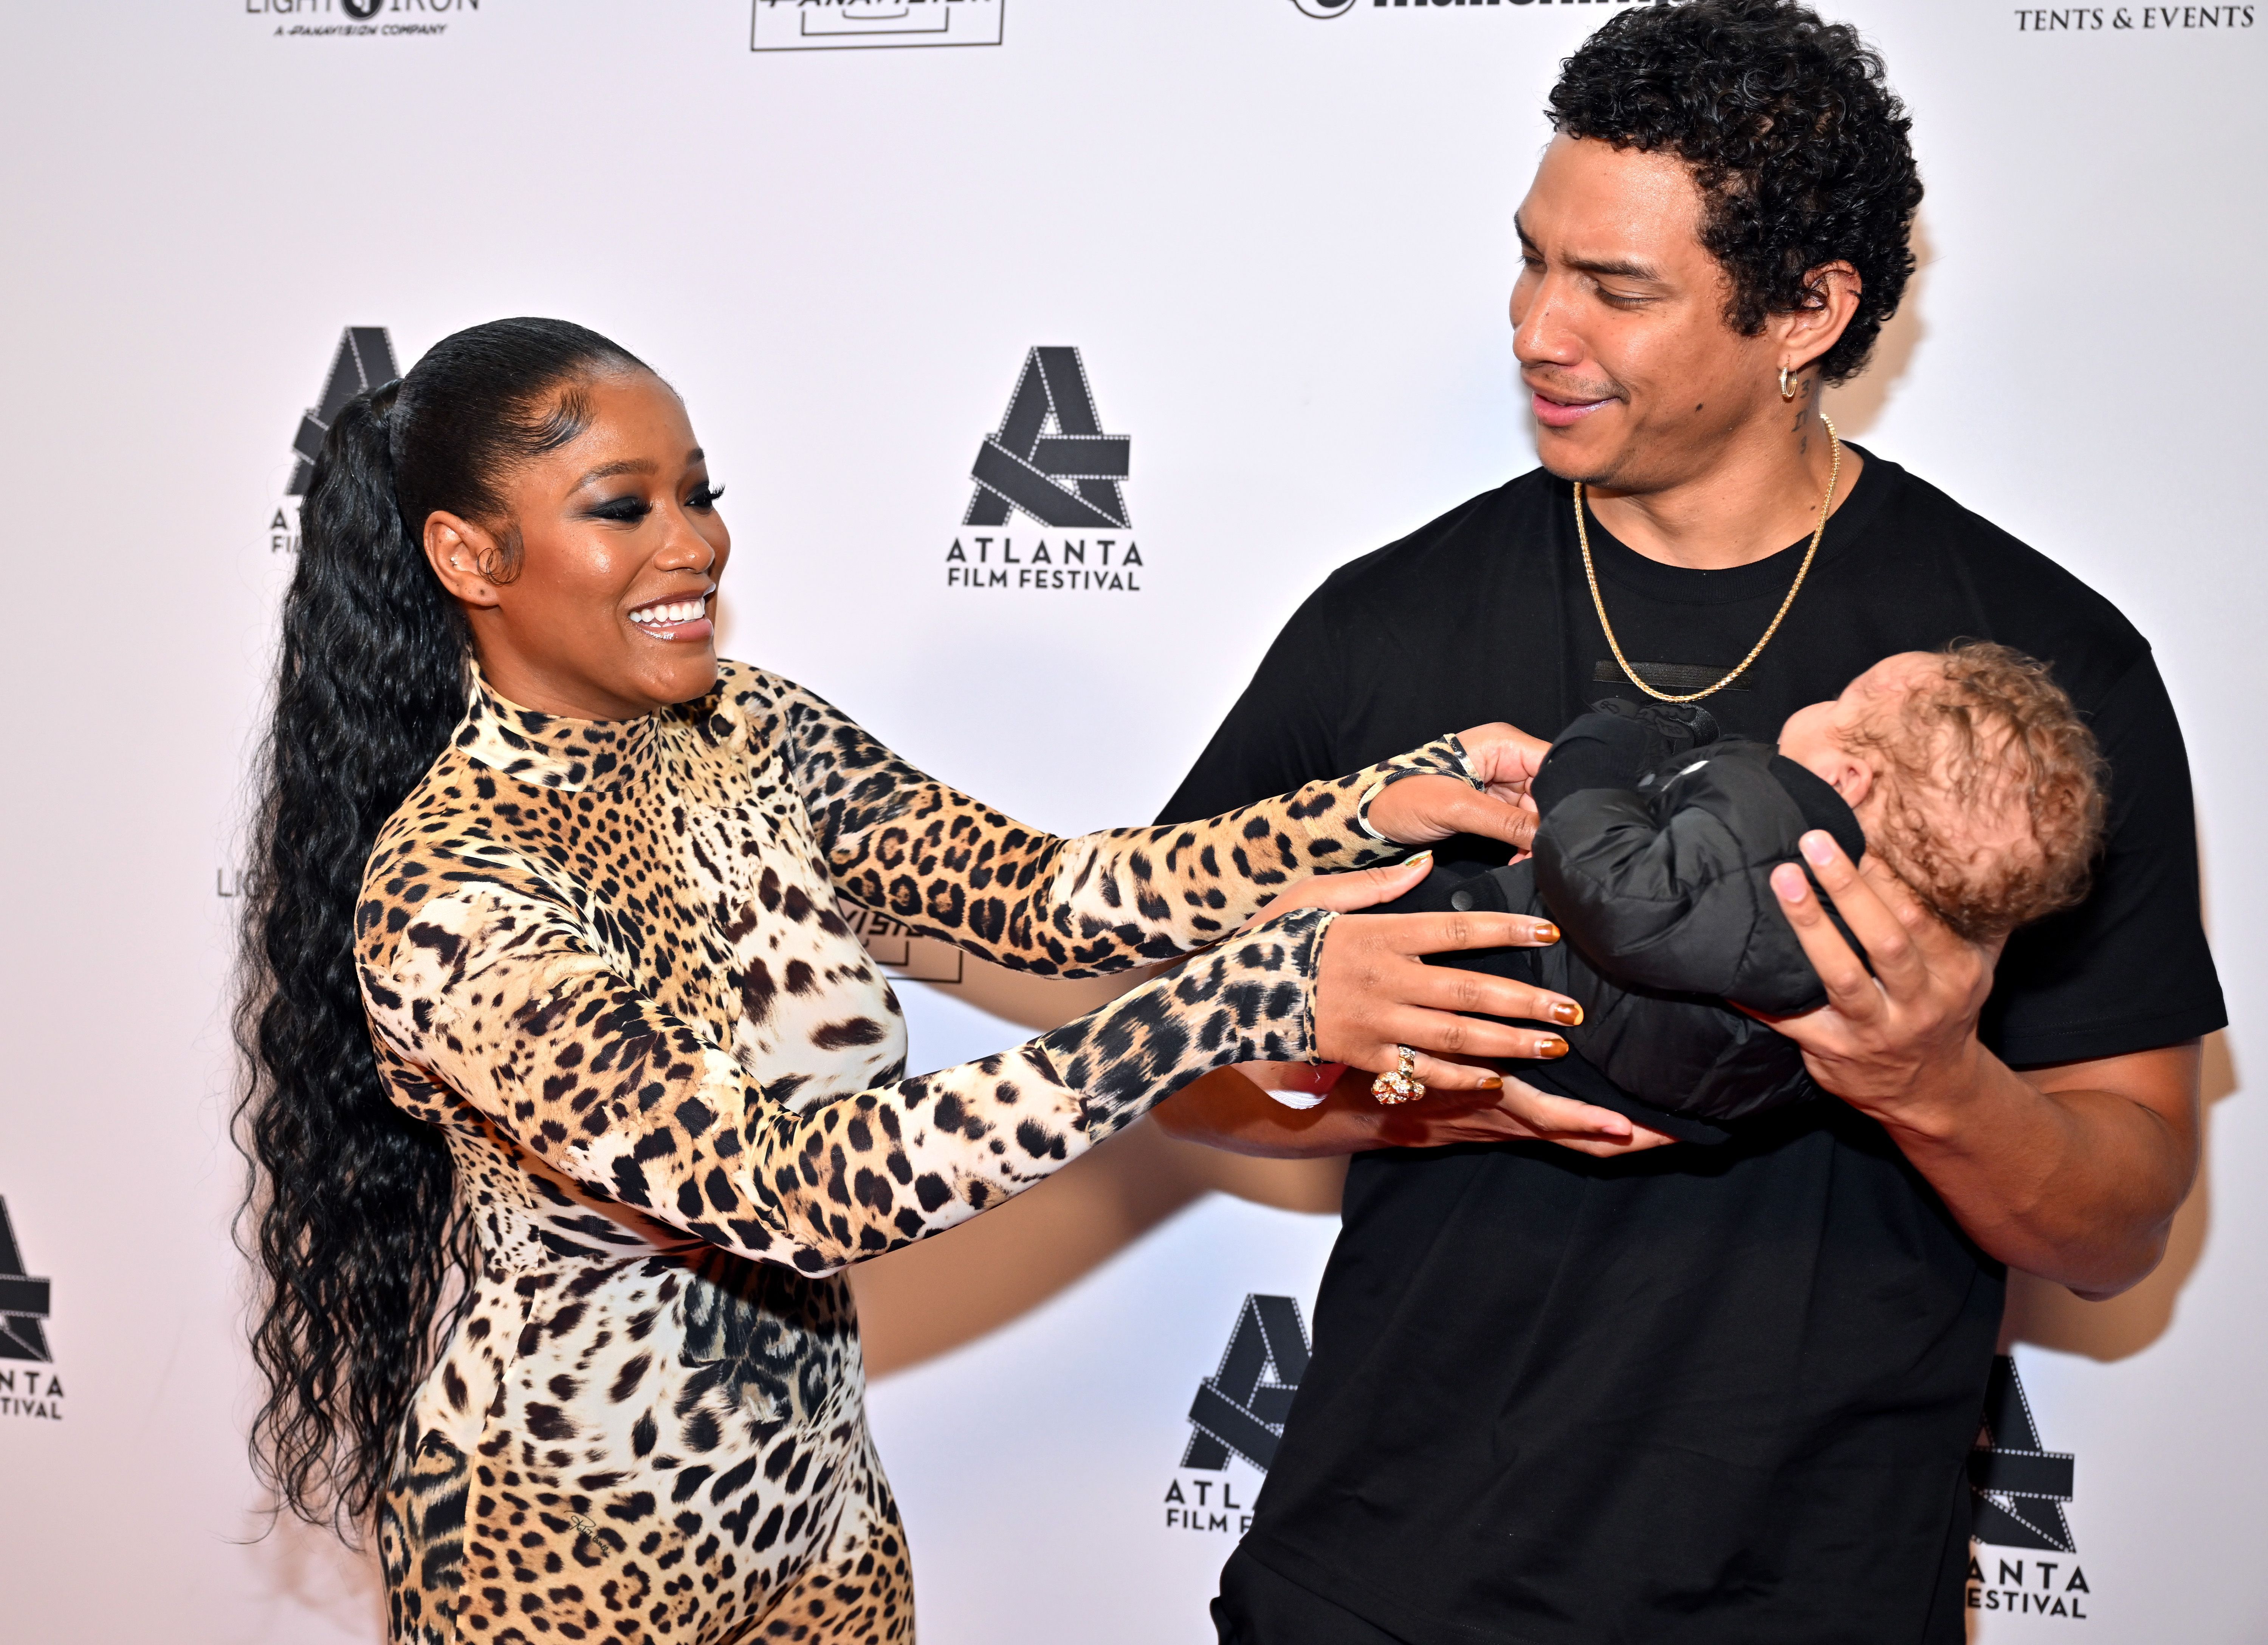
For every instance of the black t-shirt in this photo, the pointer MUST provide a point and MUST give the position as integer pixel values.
(1704, 1394)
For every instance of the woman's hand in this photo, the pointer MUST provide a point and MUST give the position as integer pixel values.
(1476, 1103)
(1419, 810)
(1374, 993)
(1226, 1109)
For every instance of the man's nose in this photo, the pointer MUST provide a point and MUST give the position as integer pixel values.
(1540, 335)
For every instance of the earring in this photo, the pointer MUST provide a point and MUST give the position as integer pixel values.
(1786, 384)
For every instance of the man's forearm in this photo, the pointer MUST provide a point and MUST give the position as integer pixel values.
(2072, 1172)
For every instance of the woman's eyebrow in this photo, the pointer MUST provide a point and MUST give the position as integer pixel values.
(627, 465)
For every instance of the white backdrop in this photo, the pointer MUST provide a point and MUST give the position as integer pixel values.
(1278, 234)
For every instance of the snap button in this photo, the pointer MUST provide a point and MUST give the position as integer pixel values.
(1463, 900)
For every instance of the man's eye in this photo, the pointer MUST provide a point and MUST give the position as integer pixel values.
(626, 509)
(704, 496)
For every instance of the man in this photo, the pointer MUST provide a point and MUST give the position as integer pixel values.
(1610, 1391)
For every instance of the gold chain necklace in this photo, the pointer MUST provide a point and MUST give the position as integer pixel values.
(1591, 572)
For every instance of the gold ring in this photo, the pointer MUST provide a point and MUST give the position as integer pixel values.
(1403, 1085)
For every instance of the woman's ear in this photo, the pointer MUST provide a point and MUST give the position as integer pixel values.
(464, 557)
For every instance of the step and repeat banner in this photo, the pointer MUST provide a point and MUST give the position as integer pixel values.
(1051, 350)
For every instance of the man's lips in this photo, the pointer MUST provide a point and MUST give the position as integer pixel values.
(1561, 411)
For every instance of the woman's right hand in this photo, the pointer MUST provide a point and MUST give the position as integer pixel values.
(1334, 1112)
(1374, 993)
(1235, 1109)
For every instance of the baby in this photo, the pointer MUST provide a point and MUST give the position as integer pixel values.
(1967, 771)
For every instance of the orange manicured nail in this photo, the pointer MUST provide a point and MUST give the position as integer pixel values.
(1550, 1046)
(1492, 1082)
(1545, 932)
(1566, 1011)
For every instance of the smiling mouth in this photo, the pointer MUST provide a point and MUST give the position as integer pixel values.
(673, 619)
(1561, 410)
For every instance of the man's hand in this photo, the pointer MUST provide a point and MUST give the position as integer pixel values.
(1900, 1044)
(2072, 1172)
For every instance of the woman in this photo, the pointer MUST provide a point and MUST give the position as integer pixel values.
(574, 1088)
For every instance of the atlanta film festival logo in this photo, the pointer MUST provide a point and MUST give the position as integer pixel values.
(2018, 1490)
(1050, 465)
(836, 25)
(1239, 1411)
(363, 360)
(26, 1389)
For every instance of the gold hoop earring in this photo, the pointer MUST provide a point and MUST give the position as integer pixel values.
(1786, 384)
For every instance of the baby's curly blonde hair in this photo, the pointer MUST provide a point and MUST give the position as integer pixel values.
(1994, 741)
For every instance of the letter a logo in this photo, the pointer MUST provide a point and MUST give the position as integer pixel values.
(23, 1302)
(365, 360)
(1051, 436)
(1241, 1406)
(2018, 1489)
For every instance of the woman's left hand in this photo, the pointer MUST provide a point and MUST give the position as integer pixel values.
(1419, 810)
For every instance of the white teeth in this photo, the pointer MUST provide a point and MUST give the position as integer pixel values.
(669, 613)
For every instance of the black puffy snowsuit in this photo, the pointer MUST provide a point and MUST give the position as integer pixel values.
(1655, 857)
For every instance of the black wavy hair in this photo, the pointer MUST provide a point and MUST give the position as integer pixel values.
(1798, 146)
(351, 1211)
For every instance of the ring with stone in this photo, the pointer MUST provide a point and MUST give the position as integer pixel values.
(1403, 1085)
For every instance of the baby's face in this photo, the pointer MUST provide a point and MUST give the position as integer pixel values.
(1819, 738)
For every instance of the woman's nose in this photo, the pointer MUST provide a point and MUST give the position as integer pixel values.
(687, 550)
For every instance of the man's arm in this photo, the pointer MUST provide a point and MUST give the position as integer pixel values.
(2073, 1172)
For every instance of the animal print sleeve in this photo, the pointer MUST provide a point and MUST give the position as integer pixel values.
(493, 992)
(902, 844)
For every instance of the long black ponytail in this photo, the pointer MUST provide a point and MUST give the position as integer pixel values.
(351, 1211)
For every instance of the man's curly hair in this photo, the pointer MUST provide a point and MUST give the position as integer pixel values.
(1797, 144)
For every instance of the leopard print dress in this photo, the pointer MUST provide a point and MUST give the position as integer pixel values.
(605, 960)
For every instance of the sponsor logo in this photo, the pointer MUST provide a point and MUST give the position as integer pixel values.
(903, 953)
(1340, 7)
(836, 25)
(1238, 1412)
(2088, 19)
(365, 359)
(2018, 1490)
(1050, 463)
(310, 19)
(24, 1389)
